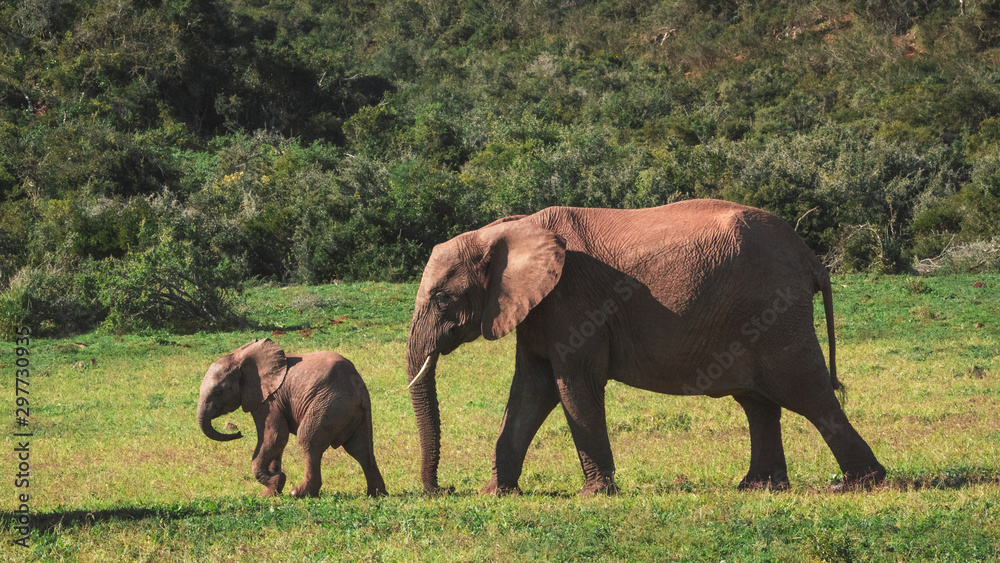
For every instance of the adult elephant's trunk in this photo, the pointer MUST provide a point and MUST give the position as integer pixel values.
(423, 394)
(205, 423)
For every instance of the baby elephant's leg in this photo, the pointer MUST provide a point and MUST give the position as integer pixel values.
(313, 478)
(314, 437)
(276, 465)
(266, 464)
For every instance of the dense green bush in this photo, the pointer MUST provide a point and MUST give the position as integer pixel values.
(172, 284)
(51, 300)
(217, 143)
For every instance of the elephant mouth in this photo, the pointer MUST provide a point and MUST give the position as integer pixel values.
(456, 337)
(444, 348)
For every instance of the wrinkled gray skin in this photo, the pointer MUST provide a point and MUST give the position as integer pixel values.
(699, 297)
(319, 397)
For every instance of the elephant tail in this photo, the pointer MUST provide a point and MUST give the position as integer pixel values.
(827, 289)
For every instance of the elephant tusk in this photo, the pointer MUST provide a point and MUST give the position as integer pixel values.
(420, 373)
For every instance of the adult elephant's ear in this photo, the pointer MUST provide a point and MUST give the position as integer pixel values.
(264, 366)
(525, 263)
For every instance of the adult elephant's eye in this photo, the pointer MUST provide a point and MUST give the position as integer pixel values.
(441, 301)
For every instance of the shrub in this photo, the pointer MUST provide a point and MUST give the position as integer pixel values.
(963, 218)
(173, 284)
(313, 141)
(371, 129)
(973, 257)
(866, 248)
(897, 15)
(51, 300)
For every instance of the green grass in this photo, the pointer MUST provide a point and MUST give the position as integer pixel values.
(120, 472)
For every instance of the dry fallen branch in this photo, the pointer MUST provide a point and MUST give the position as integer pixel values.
(803, 217)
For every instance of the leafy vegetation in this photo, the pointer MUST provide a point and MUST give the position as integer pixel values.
(180, 176)
(304, 141)
(120, 471)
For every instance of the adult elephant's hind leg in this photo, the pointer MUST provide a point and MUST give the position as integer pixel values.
(812, 396)
(533, 395)
(856, 459)
(767, 454)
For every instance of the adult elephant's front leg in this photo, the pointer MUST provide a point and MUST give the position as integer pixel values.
(581, 391)
(584, 408)
(533, 395)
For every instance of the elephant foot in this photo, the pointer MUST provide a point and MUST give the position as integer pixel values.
(273, 485)
(763, 485)
(304, 490)
(604, 485)
(492, 488)
(375, 485)
(865, 480)
(775, 482)
(438, 491)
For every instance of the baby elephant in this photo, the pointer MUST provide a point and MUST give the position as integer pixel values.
(319, 396)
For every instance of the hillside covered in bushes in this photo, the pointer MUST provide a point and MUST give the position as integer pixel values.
(154, 156)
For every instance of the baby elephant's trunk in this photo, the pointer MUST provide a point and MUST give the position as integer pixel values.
(205, 423)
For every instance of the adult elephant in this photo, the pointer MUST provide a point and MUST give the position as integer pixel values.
(700, 297)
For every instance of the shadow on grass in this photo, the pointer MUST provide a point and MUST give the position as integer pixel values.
(46, 522)
(950, 478)
(946, 478)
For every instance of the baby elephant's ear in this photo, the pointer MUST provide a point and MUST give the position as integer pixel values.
(264, 366)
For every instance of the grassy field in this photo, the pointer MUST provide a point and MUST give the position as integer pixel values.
(120, 472)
